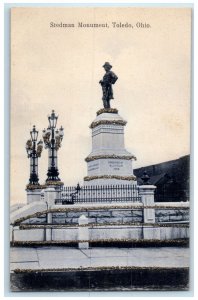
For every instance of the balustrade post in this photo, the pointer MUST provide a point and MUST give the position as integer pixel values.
(83, 232)
(48, 231)
(50, 196)
(146, 192)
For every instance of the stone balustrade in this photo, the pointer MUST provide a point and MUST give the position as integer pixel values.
(142, 220)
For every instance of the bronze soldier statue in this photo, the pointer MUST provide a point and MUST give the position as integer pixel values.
(106, 83)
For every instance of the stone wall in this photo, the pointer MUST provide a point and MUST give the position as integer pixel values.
(39, 220)
(104, 214)
(100, 216)
(120, 216)
(103, 233)
(171, 215)
(113, 216)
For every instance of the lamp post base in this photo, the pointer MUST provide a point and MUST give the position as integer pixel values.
(52, 175)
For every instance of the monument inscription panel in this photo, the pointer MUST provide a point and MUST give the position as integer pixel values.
(93, 167)
(115, 165)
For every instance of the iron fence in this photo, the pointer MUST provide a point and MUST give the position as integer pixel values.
(98, 194)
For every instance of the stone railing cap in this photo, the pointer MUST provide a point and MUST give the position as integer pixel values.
(147, 186)
(50, 189)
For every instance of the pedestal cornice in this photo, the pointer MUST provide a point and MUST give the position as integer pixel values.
(107, 122)
(113, 156)
(107, 110)
(128, 178)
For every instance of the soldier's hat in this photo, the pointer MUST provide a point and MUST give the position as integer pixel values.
(107, 64)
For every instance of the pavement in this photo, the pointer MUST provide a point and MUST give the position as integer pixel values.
(53, 257)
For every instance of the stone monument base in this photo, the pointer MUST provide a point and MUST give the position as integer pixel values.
(109, 163)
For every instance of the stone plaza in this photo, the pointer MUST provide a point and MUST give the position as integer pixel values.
(98, 269)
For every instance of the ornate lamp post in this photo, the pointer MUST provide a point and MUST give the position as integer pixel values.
(34, 150)
(52, 139)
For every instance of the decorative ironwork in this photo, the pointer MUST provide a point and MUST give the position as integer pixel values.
(70, 196)
(98, 194)
(145, 178)
(34, 151)
(52, 139)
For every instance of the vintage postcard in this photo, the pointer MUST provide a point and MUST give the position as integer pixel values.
(100, 149)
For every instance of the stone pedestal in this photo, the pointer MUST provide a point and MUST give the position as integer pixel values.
(109, 162)
(146, 192)
(50, 196)
(56, 187)
(33, 195)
